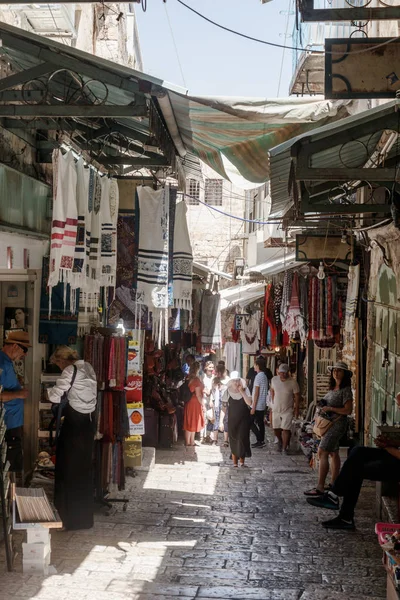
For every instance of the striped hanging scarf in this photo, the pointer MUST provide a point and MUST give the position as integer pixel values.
(153, 257)
(65, 221)
(183, 260)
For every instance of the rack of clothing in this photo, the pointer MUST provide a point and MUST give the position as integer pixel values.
(107, 353)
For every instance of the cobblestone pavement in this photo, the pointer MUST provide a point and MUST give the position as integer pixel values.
(197, 528)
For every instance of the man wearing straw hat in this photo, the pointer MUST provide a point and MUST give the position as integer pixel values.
(15, 347)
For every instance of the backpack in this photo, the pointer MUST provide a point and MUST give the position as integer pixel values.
(184, 392)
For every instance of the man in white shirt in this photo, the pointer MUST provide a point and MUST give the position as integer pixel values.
(285, 393)
(259, 394)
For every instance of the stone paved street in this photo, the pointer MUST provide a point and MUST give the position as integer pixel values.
(197, 528)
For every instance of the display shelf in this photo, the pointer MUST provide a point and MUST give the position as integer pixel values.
(5, 492)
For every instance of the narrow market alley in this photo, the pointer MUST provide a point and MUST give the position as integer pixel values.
(197, 528)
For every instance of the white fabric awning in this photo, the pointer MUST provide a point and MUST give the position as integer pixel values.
(242, 294)
(277, 265)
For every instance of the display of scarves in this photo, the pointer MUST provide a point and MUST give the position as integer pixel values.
(324, 319)
(303, 297)
(182, 260)
(153, 257)
(294, 322)
(126, 250)
(353, 284)
(313, 308)
(286, 295)
(82, 244)
(65, 220)
(269, 335)
(108, 232)
(211, 319)
(278, 294)
(61, 326)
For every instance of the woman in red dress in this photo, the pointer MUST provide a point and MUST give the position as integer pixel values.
(193, 420)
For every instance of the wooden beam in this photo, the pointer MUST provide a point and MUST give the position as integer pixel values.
(69, 62)
(345, 174)
(73, 110)
(25, 76)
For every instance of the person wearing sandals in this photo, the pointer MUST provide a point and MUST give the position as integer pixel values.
(336, 405)
(219, 386)
(375, 464)
(193, 418)
(239, 423)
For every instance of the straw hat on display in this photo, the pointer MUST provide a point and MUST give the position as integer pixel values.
(18, 337)
(340, 365)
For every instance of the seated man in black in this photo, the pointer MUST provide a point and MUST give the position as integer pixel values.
(376, 464)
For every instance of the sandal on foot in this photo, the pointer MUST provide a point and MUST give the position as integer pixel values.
(314, 492)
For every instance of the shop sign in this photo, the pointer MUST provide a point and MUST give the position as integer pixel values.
(134, 380)
(136, 418)
(238, 322)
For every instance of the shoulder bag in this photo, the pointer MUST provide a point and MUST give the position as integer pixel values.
(322, 425)
(58, 409)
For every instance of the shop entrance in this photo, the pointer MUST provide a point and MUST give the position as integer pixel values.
(19, 309)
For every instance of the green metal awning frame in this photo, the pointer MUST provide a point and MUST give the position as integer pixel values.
(321, 171)
(58, 95)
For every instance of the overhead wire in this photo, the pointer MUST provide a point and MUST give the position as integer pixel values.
(175, 45)
(371, 48)
(290, 3)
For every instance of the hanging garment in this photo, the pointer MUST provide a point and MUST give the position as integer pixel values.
(152, 273)
(60, 327)
(82, 245)
(171, 234)
(350, 311)
(250, 333)
(126, 250)
(65, 219)
(278, 294)
(269, 326)
(108, 228)
(183, 260)
(294, 322)
(232, 355)
(286, 295)
(211, 319)
(313, 307)
(303, 297)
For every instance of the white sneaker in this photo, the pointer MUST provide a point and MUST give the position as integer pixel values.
(276, 440)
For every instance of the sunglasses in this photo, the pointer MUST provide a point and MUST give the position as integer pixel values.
(24, 348)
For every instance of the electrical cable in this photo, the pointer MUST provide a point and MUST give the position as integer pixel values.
(175, 45)
(284, 49)
(275, 45)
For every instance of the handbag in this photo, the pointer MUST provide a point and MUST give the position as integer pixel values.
(322, 425)
(59, 409)
(210, 414)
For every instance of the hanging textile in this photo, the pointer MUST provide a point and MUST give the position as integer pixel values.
(61, 326)
(108, 244)
(126, 250)
(294, 322)
(313, 307)
(232, 355)
(183, 260)
(65, 220)
(278, 294)
(153, 259)
(250, 333)
(269, 327)
(303, 297)
(211, 319)
(286, 295)
(82, 245)
(349, 342)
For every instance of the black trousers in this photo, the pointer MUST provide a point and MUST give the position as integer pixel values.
(74, 482)
(15, 455)
(374, 464)
(258, 425)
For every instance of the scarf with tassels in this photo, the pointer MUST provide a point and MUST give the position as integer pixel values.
(182, 260)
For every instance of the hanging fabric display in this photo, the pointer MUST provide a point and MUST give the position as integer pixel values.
(126, 250)
(286, 296)
(182, 260)
(108, 242)
(211, 319)
(295, 322)
(269, 327)
(250, 333)
(153, 257)
(61, 326)
(65, 220)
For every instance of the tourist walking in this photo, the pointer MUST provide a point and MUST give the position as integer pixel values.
(239, 405)
(220, 382)
(193, 418)
(285, 393)
(260, 392)
(334, 407)
(207, 379)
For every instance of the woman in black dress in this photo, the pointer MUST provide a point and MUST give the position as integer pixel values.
(239, 405)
